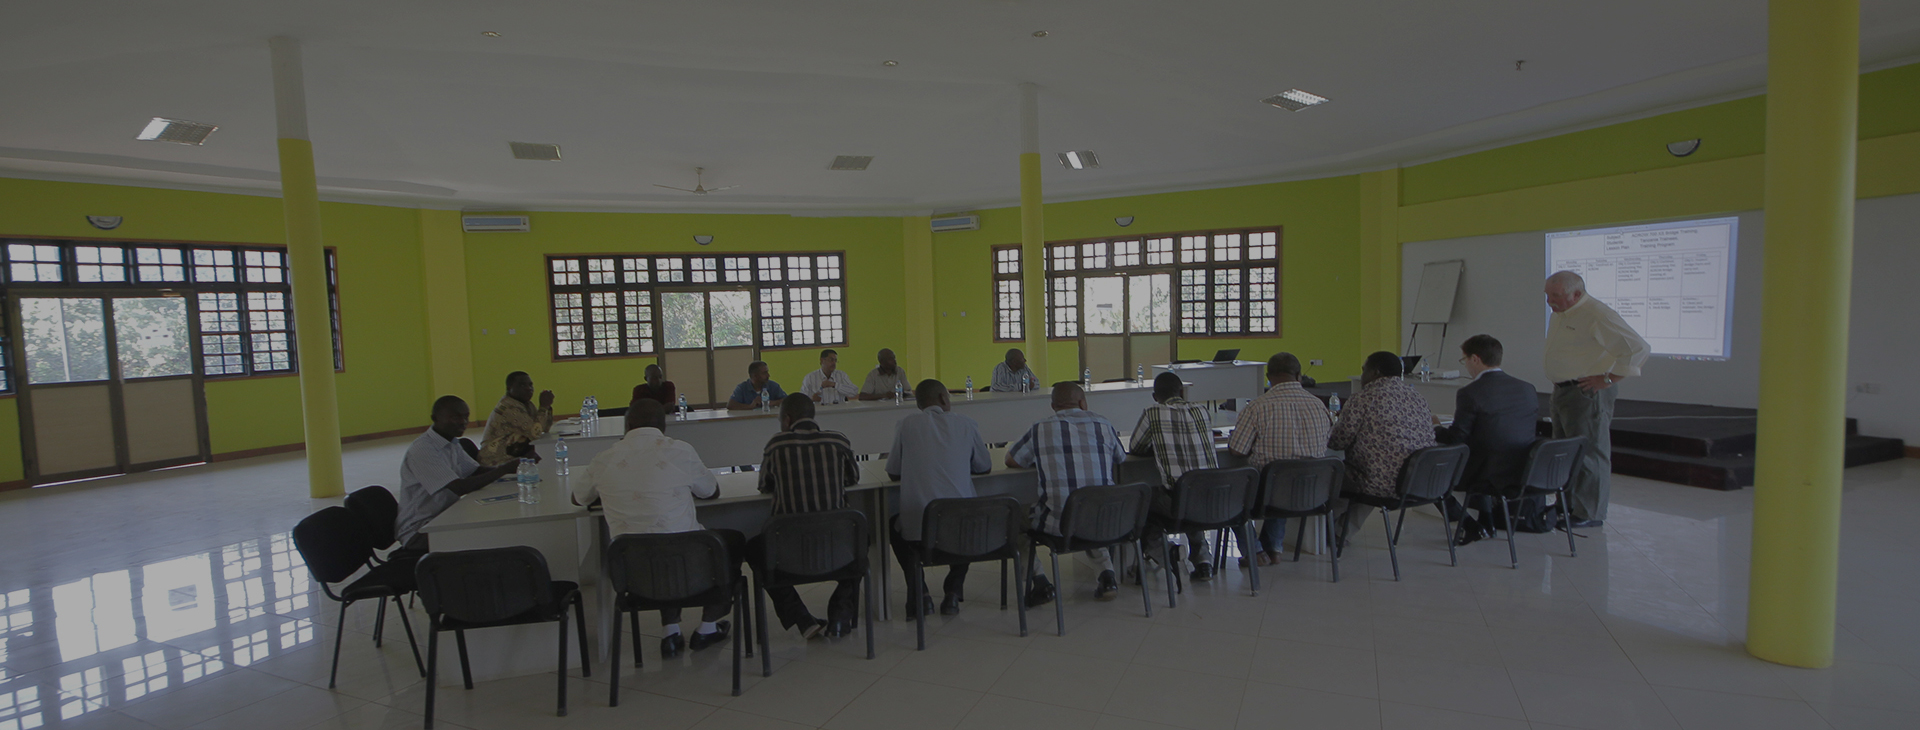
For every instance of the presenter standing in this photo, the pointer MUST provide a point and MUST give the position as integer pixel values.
(1589, 349)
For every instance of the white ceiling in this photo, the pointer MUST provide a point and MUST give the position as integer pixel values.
(409, 103)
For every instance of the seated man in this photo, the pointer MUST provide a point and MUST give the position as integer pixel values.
(1012, 375)
(646, 484)
(656, 388)
(1381, 426)
(1496, 416)
(515, 422)
(808, 470)
(1286, 422)
(1073, 448)
(747, 395)
(935, 454)
(829, 384)
(880, 380)
(1179, 437)
(437, 472)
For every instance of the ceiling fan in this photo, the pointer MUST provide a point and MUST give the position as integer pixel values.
(699, 188)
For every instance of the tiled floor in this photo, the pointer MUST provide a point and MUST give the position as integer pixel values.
(175, 600)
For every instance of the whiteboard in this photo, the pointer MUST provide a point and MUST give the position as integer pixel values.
(1439, 281)
(1671, 282)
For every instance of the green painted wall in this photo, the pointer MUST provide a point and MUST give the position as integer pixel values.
(508, 291)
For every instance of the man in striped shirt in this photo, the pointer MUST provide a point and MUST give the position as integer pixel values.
(1286, 422)
(807, 469)
(1072, 449)
(1179, 436)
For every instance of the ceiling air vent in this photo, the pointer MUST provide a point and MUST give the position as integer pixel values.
(851, 162)
(176, 131)
(957, 223)
(1294, 100)
(535, 151)
(476, 223)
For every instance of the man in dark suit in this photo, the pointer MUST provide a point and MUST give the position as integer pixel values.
(1495, 416)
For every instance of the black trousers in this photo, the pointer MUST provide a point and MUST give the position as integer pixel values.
(737, 551)
(956, 582)
(845, 603)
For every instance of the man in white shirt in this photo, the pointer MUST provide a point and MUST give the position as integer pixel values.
(646, 484)
(1012, 375)
(1589, 349)
(437, 471)
(882, 379)
(829, 384)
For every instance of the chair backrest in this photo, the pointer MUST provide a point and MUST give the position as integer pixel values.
(1550, 462)
(955, 529)
(811, 545)
(1215, 497)
(334, 543)
(1301, 485)
(377, 507)
(1105, 514)
(484, 586)
(1430, 473)
(668, 567)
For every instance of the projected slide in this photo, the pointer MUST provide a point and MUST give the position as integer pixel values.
(1673, 282)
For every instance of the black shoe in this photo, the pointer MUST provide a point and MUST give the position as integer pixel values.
(1107, 588)
(839, 627)
(672, 645)
(1040, 593)
(719, 634)
(950, 606)
(1588, 523)
(1202, 572)
(1469, 532)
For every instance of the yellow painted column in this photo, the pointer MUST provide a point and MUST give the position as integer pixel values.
(1033, 234)
(306, 256)
(1813, 71)
(922, 356)
(443, 253)
(1380, 261)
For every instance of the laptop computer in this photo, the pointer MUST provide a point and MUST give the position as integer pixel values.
(1226, 355)
(1407, 363)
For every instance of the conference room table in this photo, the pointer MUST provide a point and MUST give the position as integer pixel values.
(570, 537)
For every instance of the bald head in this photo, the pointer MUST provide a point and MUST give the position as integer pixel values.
(1565, 289)
(646, 413)
(1069, 395)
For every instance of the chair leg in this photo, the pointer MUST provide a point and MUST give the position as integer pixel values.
(1020, 578)
(1003, 584)
(1253, 573)
(562, 711)
(1060, 589)
(407, 624)
(1299, 539)
(916, 590)
(1453, 555)
(1220, 551)
(1566, 518)
(639, 657)
(433, 666)
(873, 605)
(760, 612)
(339, 632)
(1332, 541)
(1166, 559)
(1513, 553)
(580, 624)
(1146, 599)
(746, 617)
(740, 611)
(379, 623)
(1386, 521)
(613, 661)
(466, 669)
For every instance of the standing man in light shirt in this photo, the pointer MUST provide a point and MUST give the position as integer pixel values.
(646, 484)
(1286, 422)
(1008, 375)
(880, 380)
(829, 384)
(935, 454)
(1589, 349)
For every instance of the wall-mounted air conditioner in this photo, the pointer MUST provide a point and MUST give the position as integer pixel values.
(474, 223)
(957, 223)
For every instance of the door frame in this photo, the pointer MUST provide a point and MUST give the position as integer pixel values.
(716, 391)
(1126, 314)
(115, 382)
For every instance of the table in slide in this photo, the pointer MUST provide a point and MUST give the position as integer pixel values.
(1670, 283)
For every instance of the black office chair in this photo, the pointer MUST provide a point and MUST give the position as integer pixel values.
(1209, 499)
(963, 531)
(479, 589)
(1550, 467)
(376, 508)
(335, 543)
(1097, 518)
(1425, 478)
(811, 547)
(671, 570)
(1302, 488)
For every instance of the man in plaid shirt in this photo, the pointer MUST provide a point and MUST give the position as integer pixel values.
(1286, 422)
(1074, 448)
(1179, 437)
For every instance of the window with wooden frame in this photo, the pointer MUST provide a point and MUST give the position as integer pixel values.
(604, 305)
(243, 294)
(1228, 281)
(1009, 298)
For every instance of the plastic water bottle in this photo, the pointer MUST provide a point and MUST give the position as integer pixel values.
(560, 456)
(969, 387)
(1333, 404)
(1426, 372)
(683, 407)
(1086, 377)
(899, 393)
(585, 406)
(529, 479)
(766, 401)
(593, 423)
(1139, 373)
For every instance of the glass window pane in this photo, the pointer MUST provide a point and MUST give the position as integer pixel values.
(732, 313)
(683, 318)
(65, 340)
(1150, 300)
(1104, 313)
(152, 337)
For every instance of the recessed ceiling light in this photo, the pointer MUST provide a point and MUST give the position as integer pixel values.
(1294, 100)
(851, 162)
(1039, 34)
(1079, 160)
(891, 63)
(535, 151)
(490, 33)
(176, 131)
